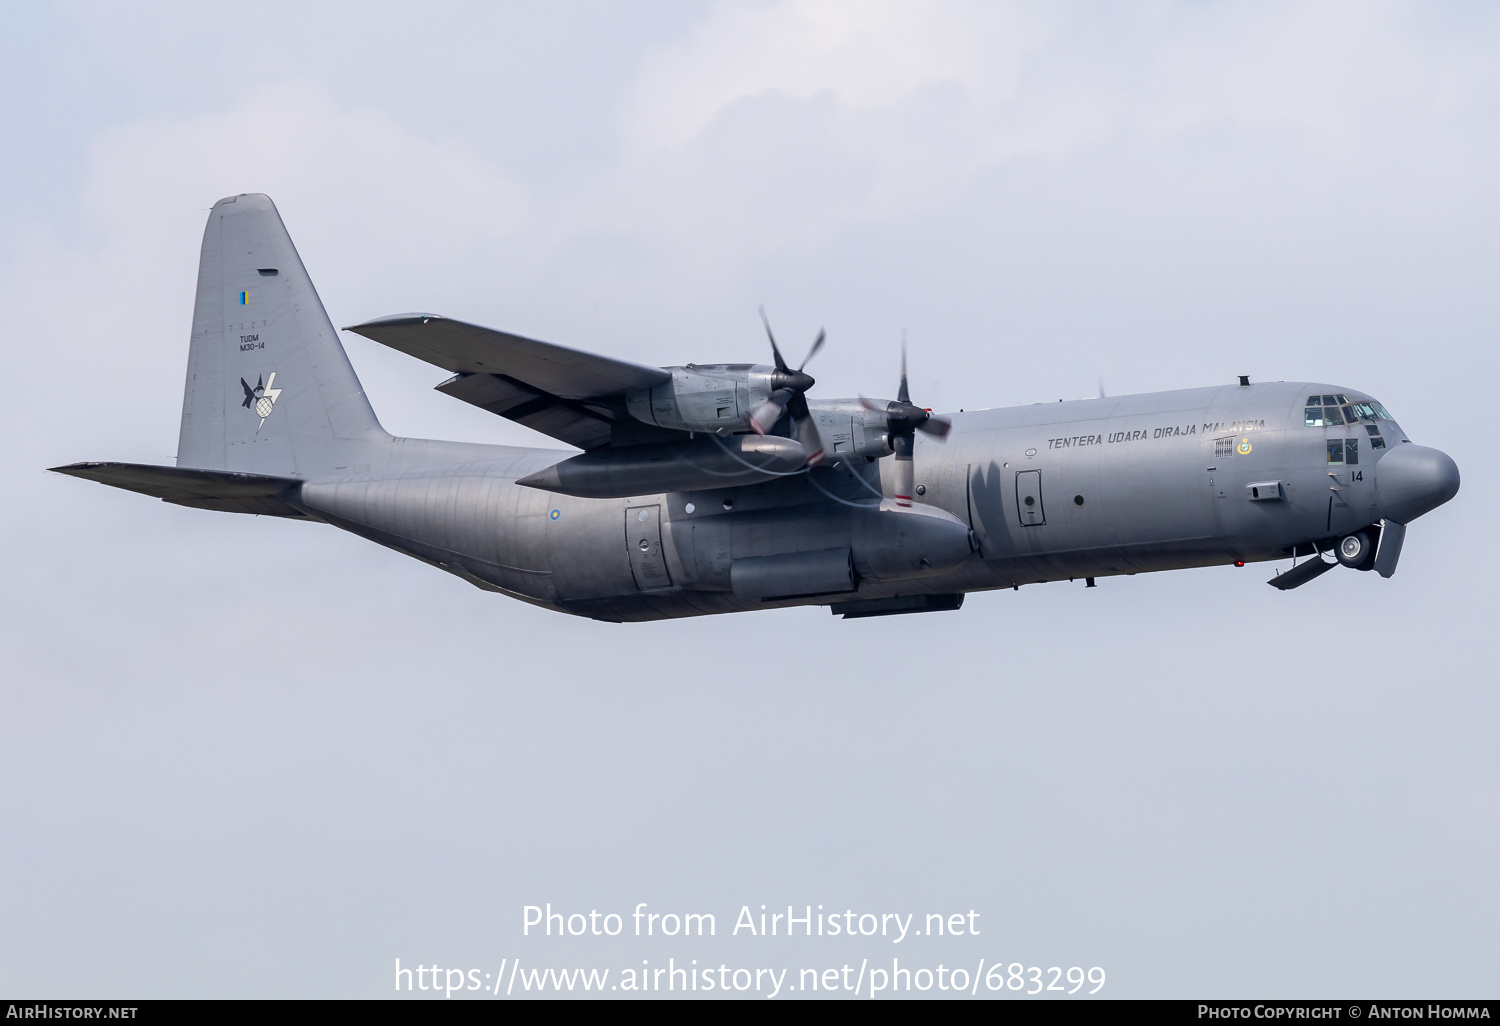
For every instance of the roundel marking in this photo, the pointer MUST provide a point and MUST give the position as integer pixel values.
(555, 514)
(1244, 447)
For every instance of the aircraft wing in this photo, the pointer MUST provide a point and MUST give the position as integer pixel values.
(576, 397)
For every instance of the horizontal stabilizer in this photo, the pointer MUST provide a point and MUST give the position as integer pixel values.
(222, 490)
(1301, 574)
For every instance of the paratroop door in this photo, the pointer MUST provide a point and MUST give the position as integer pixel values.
(1029, 498)
(643, 539)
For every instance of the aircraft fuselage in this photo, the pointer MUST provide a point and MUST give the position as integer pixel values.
(1121, 485)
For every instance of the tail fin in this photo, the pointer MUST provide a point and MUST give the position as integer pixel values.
(269, 387)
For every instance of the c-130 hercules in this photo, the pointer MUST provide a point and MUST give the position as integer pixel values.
(717, 488)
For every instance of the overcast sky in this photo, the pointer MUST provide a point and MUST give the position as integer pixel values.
(250, 757)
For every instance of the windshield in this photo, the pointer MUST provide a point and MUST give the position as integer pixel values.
(1332, 410)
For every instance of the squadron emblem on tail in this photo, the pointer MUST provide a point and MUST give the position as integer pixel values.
(262, 398)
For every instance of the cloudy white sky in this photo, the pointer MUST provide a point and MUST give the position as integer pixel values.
(242, 756)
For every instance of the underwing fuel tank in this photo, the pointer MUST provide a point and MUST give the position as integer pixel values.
(705, 462)
(895, 542)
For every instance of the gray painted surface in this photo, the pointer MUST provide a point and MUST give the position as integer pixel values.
(1091, 489)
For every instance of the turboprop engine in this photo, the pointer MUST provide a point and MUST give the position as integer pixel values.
(715, 398)
(725, 397)
(714, 404)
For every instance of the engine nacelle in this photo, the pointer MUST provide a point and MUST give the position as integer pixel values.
(704, 397)
(848, 428)
(719, 398)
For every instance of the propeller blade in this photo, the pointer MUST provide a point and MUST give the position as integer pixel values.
(806, 429)
(817, 344)
(903, 419)
(904, 395)
(780, 363)
(906, 471)
(937, 427)
(769, 412)
(812, 441)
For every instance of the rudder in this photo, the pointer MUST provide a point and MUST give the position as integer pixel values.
(270, 389)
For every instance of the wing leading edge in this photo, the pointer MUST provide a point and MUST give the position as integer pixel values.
(573, 396)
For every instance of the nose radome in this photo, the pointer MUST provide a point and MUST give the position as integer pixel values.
(1413, 479)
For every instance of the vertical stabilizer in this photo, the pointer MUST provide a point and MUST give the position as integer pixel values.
(269, 387)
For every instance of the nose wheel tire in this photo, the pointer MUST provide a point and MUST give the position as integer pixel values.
(1355, 550)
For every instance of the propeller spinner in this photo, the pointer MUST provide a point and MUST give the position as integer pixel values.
(790, 396)
(903, 420)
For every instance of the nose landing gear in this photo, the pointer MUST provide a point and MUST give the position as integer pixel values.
(1356, 551)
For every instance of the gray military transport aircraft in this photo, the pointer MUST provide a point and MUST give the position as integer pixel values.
(713, 488)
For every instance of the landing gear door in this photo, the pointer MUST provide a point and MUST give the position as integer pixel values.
(643, 540)
(1029, 498)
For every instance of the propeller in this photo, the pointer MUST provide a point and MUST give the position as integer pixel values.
(789, 395)
(903, 420)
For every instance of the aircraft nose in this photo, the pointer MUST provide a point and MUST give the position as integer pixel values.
(1413, 479)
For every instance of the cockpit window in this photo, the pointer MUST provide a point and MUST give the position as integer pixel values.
(1343, 450)
(1371, 410)
(1334, 410)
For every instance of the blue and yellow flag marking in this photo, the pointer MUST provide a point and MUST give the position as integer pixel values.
(243, 297)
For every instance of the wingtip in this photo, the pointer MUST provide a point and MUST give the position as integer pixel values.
(245, 201)
(394, 320)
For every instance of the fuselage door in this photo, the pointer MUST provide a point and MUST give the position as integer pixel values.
(1029, 498)
(643, 539)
